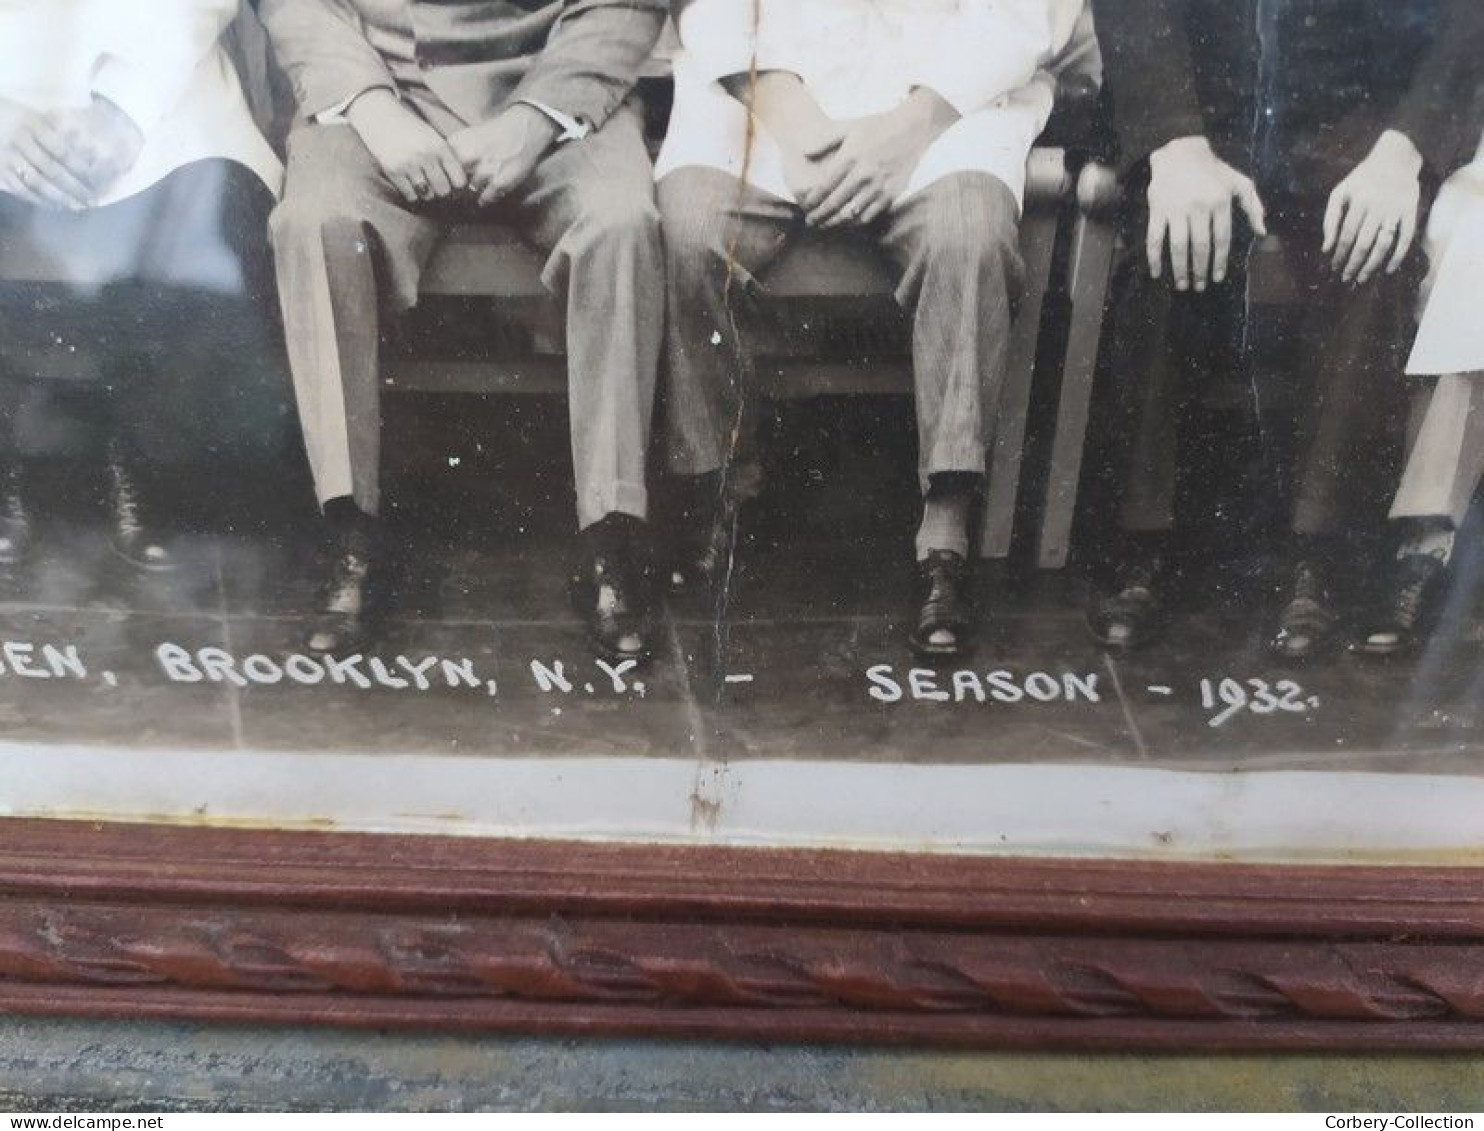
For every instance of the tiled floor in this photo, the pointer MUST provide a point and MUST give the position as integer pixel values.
(821, 593)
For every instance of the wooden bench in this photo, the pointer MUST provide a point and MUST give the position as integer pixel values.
(1094, 240)
(838, 282)
(1095, 243)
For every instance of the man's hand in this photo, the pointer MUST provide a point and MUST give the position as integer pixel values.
(413, 156)
(1190, 207)
(34, 161)
(872, 164)
(804, 159)
(102, 142)
(501, 154)
(1373, 212)
(805, 134)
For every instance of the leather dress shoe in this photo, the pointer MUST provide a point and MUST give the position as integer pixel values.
(945, 620)
(609, 591)
(705, 526)
(16, 532)
(702, 556)
(349, 608)
(130, 535)
(1133, 614)
(1306, 626)
(1409, 610)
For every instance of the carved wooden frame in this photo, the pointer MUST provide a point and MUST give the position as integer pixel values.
(139, 921)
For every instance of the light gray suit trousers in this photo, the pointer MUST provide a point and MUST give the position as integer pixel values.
(349, 248)
(959, 274)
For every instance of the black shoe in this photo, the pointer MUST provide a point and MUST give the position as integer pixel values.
(16, 533)
(1410, 607)
(1132, 615)
(1306, 626)
(945, 621)
(610, 593)
(701, 559)
(349, 608)
(700, 552)
(130, 536)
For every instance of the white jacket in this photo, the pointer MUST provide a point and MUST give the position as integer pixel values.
(994, 61)
(161, 61)
(1451, 337)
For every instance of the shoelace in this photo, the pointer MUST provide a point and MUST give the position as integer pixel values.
(1409, 598)
(1308, 586)
(1136, 584)
(943, 573)
(345, 582)
(942, 607)
(14, 505)
(613, 579)
(125, 505)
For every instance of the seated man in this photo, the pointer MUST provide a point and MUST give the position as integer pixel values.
(135, 190)
(414, 113)
(1369, 104)
(906, 123)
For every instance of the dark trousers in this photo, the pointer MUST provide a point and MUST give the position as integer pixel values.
(1325, 394)
(157, 313)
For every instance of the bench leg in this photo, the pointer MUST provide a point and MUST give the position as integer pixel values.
(1037, 244)
(1093, 242)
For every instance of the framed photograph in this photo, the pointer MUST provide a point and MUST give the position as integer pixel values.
(942, 521)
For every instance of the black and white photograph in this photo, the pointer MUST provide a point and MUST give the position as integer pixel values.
(998, 426)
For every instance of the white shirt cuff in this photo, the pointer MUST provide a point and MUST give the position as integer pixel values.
(573, 129)
(336, 113)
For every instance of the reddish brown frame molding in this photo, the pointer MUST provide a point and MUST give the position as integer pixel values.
(141, 921)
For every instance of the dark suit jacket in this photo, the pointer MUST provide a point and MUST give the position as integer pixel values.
(578, 56)
(1329, 76)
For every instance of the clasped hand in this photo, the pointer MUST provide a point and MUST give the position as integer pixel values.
(65, 159)
(849, 174)
(487, 161)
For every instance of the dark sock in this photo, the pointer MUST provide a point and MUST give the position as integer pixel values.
(352, 528)
(1142, 558)
(343, 513)
(698, 497)
(613, 533)
(1144, 545)
(1322, 549)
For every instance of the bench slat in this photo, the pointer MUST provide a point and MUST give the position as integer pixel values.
(781, 378)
